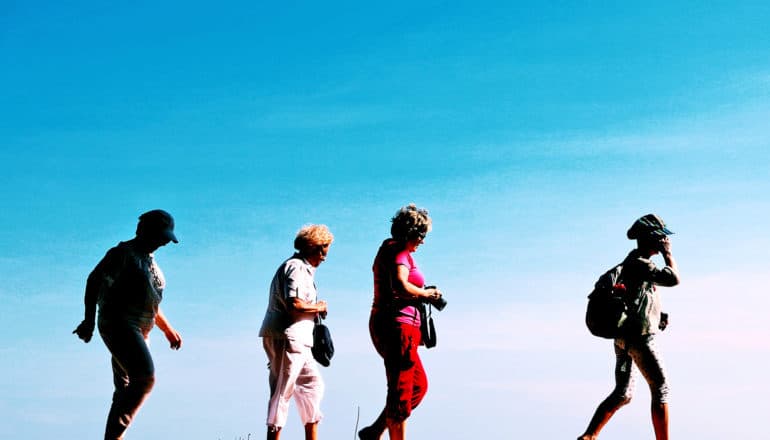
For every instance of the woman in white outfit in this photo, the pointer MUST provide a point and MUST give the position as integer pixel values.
(287, 334)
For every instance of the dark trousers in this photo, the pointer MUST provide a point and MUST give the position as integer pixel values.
(133, 374)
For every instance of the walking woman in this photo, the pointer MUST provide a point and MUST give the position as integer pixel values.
(394, 323)
(127, 285)
(287, 334)
(640, 276)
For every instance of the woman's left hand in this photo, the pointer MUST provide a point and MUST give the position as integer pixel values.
(174, 338)
(433, 293)
(85, 330)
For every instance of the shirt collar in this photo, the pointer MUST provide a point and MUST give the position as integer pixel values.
(310, 268)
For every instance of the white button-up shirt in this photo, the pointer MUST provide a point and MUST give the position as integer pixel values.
(293, 279)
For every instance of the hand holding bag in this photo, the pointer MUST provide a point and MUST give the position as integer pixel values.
(323, 347)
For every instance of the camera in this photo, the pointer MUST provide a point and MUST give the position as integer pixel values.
(439, 303)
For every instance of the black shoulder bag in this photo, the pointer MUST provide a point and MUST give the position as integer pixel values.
(427, 328)
(323, 347)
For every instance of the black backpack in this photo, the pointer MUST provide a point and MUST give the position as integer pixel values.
(607, 311)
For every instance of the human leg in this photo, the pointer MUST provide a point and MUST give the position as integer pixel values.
(309, 390)
(406, 379)
(419, 380)
(273, 349)
(660, 420)
(397, 430)
(311, 431)
(375, 430)
(378, 332)
(287, 361)
(620, 395)
(602, 415)
(649, 362)
(133, 376)
(273, 433)
(407, 383)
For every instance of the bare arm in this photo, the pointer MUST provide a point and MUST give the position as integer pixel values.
(669, 259)
(174, 338)
(85, 330)
(104, 274)
(299, 308)
(409, 290)
(92, 292)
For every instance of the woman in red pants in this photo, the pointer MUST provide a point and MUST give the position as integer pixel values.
(394, 323)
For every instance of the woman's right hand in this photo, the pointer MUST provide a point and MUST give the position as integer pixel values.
(323, 308)
(85, 330)
(665, 246)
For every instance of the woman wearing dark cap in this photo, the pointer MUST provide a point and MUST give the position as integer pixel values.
(640, 277)
(394, 323)
(127, 286)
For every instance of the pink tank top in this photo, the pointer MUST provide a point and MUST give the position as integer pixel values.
(410, 314)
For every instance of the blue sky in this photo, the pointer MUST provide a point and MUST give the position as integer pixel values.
(534, 134)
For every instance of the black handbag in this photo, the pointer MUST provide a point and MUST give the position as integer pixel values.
(427, 328)
(323, 347)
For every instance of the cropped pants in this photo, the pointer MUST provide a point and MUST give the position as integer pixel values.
(643, 353)
(293, 372)
(133, 374)
(397, 344)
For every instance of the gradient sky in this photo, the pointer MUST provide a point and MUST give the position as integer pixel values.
(534, 134)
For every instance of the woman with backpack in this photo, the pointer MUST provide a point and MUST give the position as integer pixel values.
(637, 347)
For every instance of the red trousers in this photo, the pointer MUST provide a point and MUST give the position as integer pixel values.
(397, 344)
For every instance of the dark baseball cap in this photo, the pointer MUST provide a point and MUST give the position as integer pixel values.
(156, 222)
(649, 225)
